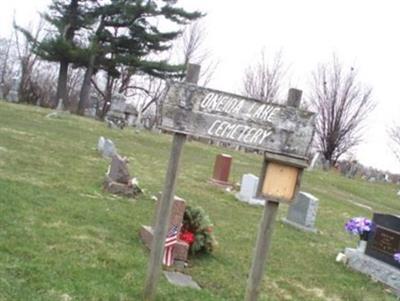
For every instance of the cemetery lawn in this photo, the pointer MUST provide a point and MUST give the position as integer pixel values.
(63, 238)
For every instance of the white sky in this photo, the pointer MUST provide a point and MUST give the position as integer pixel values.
(364, 33)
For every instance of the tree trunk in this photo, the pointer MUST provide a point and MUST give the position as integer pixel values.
(107, 97)
(62, 84)
(106, 105)
(85, 90)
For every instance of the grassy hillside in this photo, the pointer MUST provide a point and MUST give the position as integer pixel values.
(61, 237)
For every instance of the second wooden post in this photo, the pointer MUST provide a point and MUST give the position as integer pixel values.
(266, 225)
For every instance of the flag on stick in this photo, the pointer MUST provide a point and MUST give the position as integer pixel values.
(170, 241)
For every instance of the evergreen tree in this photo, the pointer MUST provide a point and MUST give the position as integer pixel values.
(126, 35)
(66, 18)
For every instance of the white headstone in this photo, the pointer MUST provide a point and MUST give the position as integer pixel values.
(313, 161)
(302, 213)
(248, 190)
(100, 144)
(398, 193)
(60, 105)
(106, 147)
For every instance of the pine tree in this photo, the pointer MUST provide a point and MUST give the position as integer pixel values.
(125, 37)
(66, 18)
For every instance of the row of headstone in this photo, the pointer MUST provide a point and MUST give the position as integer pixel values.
(302, 213)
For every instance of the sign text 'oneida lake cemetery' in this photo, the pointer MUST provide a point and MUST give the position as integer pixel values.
(225, 117)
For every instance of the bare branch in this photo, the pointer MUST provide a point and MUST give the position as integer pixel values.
(342, 104)
(263, 80)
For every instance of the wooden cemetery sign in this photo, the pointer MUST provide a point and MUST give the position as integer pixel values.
(219, 116)
(283, 132)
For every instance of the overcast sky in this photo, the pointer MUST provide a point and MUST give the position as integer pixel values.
(363, 33)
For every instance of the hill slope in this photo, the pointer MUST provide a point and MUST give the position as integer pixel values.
(61, 236)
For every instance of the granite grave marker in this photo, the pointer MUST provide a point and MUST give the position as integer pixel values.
(222, 168)
(384, 239)
(248, 190)
(302, 212)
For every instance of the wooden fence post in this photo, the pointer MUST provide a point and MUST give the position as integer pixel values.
(164, 210)
(266, 225)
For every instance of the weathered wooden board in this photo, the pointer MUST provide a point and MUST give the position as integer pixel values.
(280, 182)
(231, 118)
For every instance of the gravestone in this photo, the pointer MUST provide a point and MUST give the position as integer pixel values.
(222, 168)
(118, 180)
(13, 94)
(180, 279)
(181, 248)
(303, 212)
(248, 190)
(60, 105)
(378, 261)
(314, 161)
(384, 241)
(119, 170)
(106, 147)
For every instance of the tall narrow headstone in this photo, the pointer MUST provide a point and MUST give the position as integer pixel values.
(302, 212)
(181, 248)
(222, 168)
(313, 161)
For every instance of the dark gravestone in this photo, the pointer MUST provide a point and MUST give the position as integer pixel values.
(384, 239)
(222, 168)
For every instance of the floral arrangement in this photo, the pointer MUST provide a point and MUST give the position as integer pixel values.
(396, 257)
(197, 231)
(359, 226)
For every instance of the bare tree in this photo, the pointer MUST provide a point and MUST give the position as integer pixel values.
(342, 104)
(394, 134)
(190, 48)
(263, 80)
(27, 60)
(8, 66)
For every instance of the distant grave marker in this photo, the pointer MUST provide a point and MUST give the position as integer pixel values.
(302, 212)
(248, 190)
(222, 168)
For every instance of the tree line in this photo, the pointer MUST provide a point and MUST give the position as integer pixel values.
(83, 48)
(118, 39)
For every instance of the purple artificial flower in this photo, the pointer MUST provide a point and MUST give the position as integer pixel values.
(396, 257)
(358, 225)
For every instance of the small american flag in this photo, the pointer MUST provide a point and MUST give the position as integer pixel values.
(170, 241)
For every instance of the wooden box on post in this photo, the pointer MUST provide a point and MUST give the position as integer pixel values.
(282, 177)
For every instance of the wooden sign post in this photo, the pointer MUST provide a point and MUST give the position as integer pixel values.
(283, 132)
(164, 210)
(279, 180)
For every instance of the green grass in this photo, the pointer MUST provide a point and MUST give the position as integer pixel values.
(61, 236)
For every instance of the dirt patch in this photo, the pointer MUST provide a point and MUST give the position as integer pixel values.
(316, 292)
